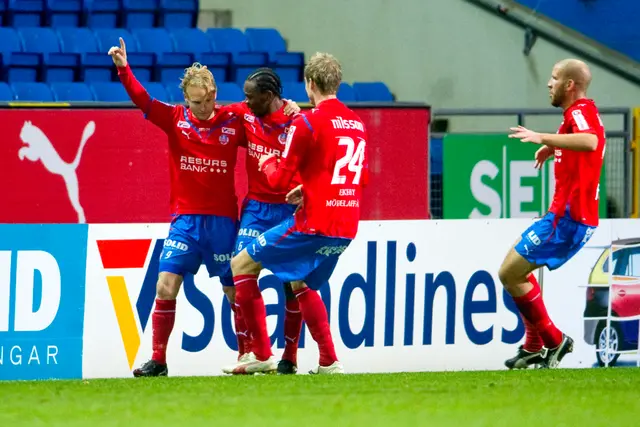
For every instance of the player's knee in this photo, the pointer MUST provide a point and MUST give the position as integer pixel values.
(230, 292)
(298, 285)
(168, 285)
(243, 264)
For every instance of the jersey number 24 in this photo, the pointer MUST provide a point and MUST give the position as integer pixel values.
(353, 160)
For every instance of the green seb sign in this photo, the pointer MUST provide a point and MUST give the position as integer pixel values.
(493, 176)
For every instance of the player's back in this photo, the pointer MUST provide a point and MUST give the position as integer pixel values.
(333, 171)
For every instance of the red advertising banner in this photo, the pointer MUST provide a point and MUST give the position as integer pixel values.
(111, 166)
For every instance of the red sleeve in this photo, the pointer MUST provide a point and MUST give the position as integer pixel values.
(157, 112)
(583, 120)
(281, 172)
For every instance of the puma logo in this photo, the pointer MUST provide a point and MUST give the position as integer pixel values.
(38, 147)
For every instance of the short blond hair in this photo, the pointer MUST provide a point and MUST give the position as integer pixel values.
(198, 75)
(325, 71)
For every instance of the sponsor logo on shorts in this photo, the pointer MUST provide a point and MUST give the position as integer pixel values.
(331, 250)
(168, 243)
(222, 258)
(533, 238)
(248, 232)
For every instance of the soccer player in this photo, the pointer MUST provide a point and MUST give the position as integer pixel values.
(578, 149)
(203, 143)
(266, 117)
(327, 148)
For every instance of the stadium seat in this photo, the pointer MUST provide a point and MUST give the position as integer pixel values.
(57, 66)
(25, 13)
(217, 62)
(346, 93)
(175, 93)
(372, 91)
(157, 91)
(141, 62)
(64, 13)
(178, 13)
(190, 40)
(6, 94)
(139, 13)
(295, 91)
(94, 64)
(17, 66)
(234, 42)
(229, 92)
(78, 92)
(159, 42)
(287, 64)
(101, 13)
(109, 92)
(32, 92)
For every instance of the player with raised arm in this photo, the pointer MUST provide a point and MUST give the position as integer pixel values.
(266, 117)
(327, 148)
(578, 150)
(203, 142)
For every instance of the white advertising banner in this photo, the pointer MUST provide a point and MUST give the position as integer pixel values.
(405, 296)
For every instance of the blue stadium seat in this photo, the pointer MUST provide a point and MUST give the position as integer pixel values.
(142, 63)
(57, 66)
(139, 13)
(234, 42)
(6, 94)
(109, 92)
(190, 40)
(346, 93)
(265, 40)
(64, 13)
(157, 91)
(32, 92)
(217, 62)
(372, 91)
(159, 42)
(229, 92)
(295, 91)
(17, 66)
(175, 93)
(94, 64)
(101, 13)
(178, 13)
(78, 92)
(25, 13)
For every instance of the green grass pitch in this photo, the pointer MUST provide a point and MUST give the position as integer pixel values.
(550, 398)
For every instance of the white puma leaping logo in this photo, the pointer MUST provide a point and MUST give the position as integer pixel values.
(38, 147)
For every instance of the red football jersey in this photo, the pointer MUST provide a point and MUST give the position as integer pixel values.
(328, 147)
(577, 173)
(202, 154)
(265, 135)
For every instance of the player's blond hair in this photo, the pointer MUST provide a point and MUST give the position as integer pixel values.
(325, 71)
(198, 75)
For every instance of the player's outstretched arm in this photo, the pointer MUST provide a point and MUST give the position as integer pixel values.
(280, 172)
(158, 112)
(574, 141)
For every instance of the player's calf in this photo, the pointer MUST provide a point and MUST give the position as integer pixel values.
(292, 327)
(162, 320)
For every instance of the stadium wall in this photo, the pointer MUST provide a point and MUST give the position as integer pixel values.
(122, 171)
(447, 53)
(75, 300)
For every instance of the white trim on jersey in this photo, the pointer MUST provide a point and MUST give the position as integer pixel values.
(580, 120)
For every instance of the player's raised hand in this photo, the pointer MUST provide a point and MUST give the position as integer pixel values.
(264, 159)
(526, 135)
(294, 197)
(291, 108)
(119, 54)
(542, 155)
